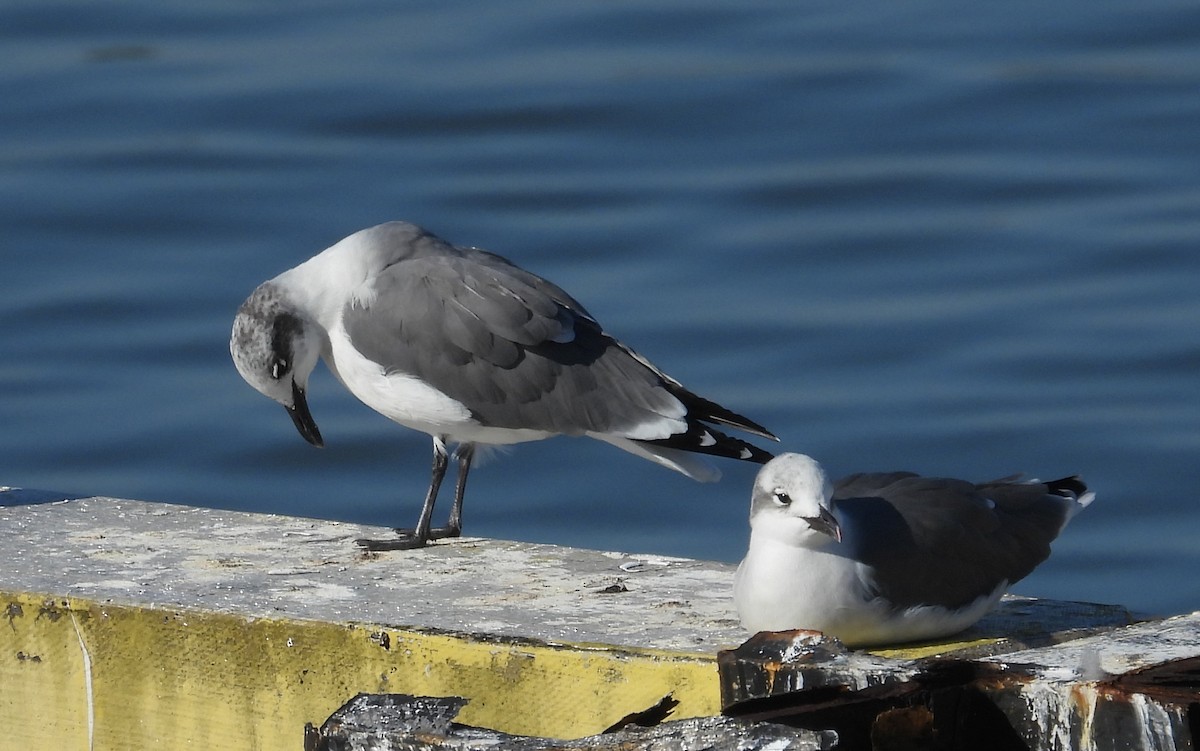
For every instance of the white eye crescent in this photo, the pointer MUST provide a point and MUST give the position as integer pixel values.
(781, 496)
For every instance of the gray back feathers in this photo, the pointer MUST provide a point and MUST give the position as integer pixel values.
(946, 542)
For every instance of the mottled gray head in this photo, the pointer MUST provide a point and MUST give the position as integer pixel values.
(791, 501)
(275, 349)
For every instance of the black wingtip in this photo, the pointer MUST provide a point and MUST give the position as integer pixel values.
(1068, 487)
(698, 408)
(702, 439)
(703, 409)
(723, 416)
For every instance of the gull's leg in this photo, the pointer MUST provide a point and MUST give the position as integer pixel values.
(453, 528)
(440, 462)
(407, 539)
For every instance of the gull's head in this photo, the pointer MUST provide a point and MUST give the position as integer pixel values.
(791, 502)
(275, 348)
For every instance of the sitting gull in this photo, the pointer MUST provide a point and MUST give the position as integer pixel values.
(881, 558)
(463, 345)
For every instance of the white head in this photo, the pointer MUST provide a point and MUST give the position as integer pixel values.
(275, 348)
(790, 502)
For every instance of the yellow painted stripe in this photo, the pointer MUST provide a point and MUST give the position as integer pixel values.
(935, 649)
(77, 674)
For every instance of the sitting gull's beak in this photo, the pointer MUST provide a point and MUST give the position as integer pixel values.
(824, 522)
(302, 418)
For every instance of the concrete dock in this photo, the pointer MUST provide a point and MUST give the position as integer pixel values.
(145, 625)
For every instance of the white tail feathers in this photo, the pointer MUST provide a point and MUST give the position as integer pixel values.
(684, 462)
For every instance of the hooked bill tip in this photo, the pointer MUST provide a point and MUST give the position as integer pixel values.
(303, 419)
(825, 523)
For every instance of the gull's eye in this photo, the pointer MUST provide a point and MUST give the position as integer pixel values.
(278, 368)
(781, 496)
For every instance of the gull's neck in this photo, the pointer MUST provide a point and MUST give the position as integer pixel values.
(321, 286)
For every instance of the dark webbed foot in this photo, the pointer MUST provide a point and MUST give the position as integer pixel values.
(411, 539)
(395, 543)
(407, 539)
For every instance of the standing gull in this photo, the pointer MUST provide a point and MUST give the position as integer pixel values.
(463, 345)
(881, 558)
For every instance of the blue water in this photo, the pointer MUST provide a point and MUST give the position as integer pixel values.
(957, 240)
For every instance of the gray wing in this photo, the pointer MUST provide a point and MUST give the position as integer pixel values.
(947, 542)
(515, 349)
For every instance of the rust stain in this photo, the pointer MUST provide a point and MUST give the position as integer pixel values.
(771, 672)
(1173, 682)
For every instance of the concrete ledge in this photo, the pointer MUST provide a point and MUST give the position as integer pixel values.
(153, 554)
(143, 625)
(167, 622)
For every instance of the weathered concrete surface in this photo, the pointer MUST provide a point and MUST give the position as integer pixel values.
(134, 552)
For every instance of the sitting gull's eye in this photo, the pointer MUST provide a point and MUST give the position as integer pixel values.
(278, 368)
(781, 496)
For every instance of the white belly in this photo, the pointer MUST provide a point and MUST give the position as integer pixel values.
(780, 587)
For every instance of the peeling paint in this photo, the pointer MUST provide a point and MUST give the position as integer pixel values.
(87, 683)
(12, 611)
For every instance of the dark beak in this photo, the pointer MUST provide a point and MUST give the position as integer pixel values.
(825, 522)
(302, 418)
